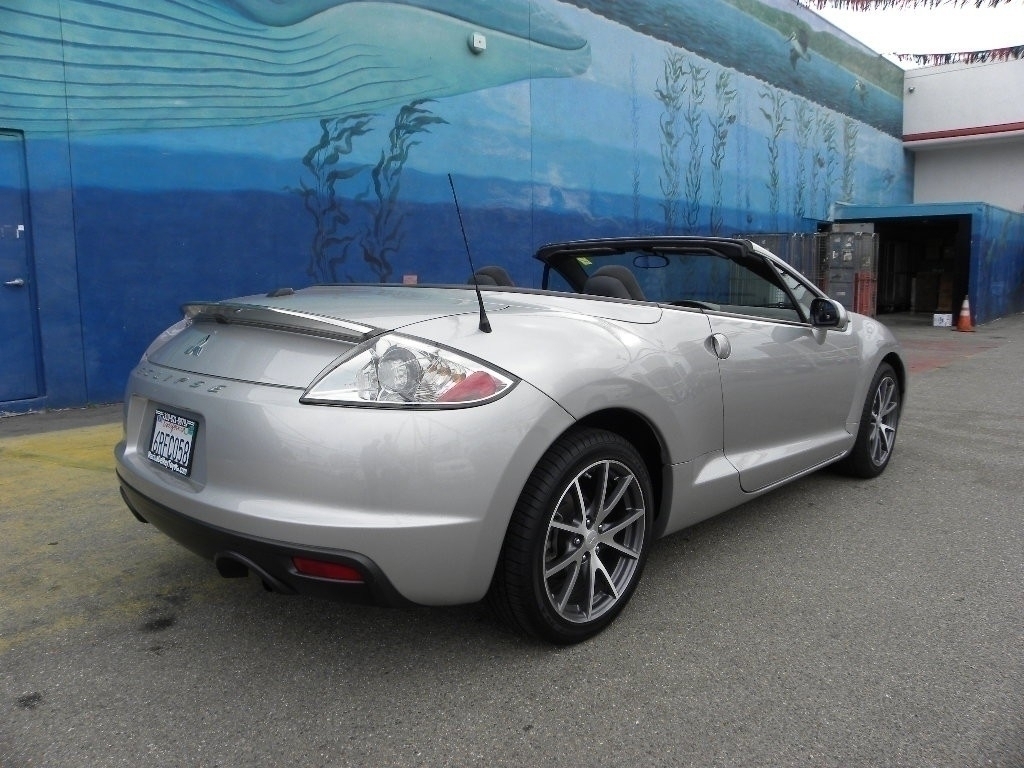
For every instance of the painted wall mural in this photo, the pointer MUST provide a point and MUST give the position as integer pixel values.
(774, 41)
(221, 147)
(126, 66)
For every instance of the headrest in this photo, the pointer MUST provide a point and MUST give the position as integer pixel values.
(496, 275)
(626, 277)
(606, 285)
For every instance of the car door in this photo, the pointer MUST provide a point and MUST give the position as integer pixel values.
(787, 387)
(19, 353)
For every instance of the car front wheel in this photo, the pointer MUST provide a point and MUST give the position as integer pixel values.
(880, 418)
(578, 539)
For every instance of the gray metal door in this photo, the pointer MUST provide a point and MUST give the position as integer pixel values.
(19, 353)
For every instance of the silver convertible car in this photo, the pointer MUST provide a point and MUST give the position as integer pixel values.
(439, 444)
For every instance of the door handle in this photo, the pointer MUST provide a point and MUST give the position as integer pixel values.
(720, 343)
(15, 283)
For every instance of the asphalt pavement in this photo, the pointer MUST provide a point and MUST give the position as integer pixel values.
(834, 622)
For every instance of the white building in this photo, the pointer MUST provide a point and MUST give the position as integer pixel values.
(964, 233)
(965, 125)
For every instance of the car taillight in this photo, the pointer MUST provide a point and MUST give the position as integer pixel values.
(397, 372)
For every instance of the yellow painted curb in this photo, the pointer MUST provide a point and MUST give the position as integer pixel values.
(82, 447)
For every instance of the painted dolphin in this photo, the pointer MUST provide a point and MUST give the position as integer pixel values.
(196, 63)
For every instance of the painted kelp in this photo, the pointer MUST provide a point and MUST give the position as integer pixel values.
(805, 172)
(790, 158)
(693, 116)
(378, 233)
(321, 197)
(382, 237)
(724, 118)
(671, 92)
(773, 111)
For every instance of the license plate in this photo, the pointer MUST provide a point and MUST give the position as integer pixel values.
(173, 443)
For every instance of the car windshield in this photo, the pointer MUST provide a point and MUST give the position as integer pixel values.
(728, 280)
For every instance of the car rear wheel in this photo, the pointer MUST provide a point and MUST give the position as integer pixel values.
(876, 437)
(578, 539)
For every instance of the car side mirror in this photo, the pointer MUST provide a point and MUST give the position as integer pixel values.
(826, 313)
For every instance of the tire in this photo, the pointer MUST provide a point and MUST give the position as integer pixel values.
(577, 541)
(879, 421)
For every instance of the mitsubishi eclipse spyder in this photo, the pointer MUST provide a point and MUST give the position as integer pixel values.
(443, 444)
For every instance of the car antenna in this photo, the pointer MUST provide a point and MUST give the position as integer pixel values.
(485, 324)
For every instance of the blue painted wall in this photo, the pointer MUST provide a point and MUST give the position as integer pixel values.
(997, 263)
(200, 149)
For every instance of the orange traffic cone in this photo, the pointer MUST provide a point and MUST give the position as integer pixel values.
(963, 323)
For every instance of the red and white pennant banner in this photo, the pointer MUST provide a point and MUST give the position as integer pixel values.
(927, 59)
(876, 5)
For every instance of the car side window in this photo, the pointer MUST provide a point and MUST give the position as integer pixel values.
(728, 280)
(749, 286)
(799, 291)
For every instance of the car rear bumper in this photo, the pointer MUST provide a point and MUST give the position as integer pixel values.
(273, 562)
(418, 501)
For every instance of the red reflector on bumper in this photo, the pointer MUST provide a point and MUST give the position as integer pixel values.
(326, 570)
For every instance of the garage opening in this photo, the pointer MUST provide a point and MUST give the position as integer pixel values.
(923, 264)
(912, 264)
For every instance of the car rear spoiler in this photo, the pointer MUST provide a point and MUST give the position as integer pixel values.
(279, 319)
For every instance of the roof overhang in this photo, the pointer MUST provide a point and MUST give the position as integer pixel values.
(952, 136)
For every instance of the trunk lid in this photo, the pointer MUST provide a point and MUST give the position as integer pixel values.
(287, 340)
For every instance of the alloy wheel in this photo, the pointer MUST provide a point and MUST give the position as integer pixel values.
(594, 541)
(884, 417)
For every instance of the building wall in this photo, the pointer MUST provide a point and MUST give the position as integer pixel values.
(965, 124)
(963, 96)
(986, 171)
(202, 149)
